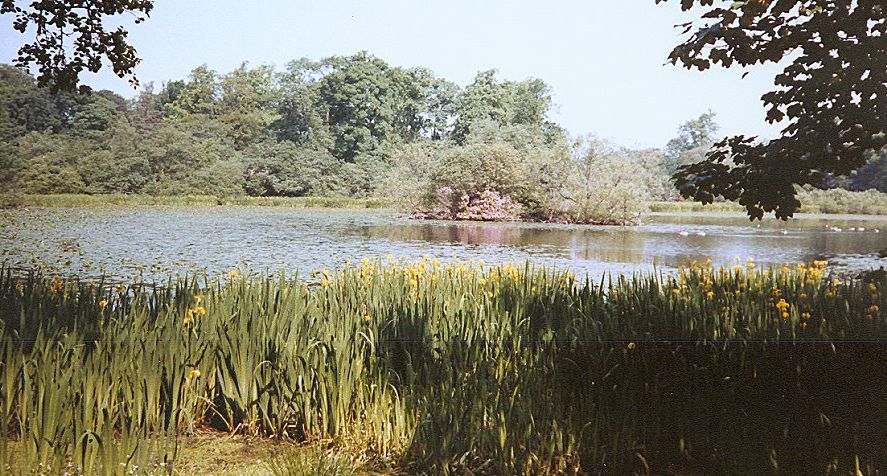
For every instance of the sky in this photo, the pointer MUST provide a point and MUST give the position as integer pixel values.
(605, 61)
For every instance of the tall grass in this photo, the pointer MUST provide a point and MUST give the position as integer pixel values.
(459, 367)
(685, 206)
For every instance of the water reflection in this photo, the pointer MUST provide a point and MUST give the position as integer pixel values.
(663, 240)
(121, 241)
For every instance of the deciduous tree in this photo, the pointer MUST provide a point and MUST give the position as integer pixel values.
(831, 95)
(70, 36)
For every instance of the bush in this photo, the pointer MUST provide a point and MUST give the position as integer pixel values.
(488, 206)
(407, 183)
(838, 200)
(605, 186)
(476, 181)
(472, 169)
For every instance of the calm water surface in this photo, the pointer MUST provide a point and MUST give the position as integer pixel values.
(119, 241)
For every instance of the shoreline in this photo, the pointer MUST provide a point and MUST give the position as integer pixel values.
(674, 209)
(109, 200)
(797, 216)
(650, 338)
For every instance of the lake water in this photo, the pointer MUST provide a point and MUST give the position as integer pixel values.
(118, 241)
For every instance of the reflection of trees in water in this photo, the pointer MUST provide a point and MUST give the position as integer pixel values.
(486, 235)
(847, 242)
(481, 234)
(603, 245)
(617, 245)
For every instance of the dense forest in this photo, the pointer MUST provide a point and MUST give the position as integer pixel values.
(344, 126)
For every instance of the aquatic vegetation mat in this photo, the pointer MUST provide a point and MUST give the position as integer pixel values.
(450, 367)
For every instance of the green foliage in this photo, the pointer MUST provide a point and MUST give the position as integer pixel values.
(117, 164)
(73, 36)
(695, 137)
(24, 107)
(407, 184)
(318, 128)
(468, 171)
(196, 97)
(316, 463)
(869, 202)
(491, 177)
(872, 175)
(48, 164)
(815, 201)
(370, 105)
(452, 368)
(605, 185)
(832, 95)
(302, 115)
(341, 127)
(120, 199)
(507, 103)
(94, 114)
(289, 170)
(246, 104)
(689, 206)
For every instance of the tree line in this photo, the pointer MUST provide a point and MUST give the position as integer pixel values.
(342, 126)
(831, 93)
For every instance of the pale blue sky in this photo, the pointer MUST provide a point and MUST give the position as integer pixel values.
(604, 60)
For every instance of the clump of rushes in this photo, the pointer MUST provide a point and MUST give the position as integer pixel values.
(450, 367)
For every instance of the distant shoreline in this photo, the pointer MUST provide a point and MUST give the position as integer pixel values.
(83, 200)
(740, 214)
(658, 208)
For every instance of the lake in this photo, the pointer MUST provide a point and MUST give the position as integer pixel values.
(119, 241)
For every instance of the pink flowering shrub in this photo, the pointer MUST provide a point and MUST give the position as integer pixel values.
(446, 203)
(490, 205)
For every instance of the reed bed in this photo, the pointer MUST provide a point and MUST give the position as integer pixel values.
(452, 367)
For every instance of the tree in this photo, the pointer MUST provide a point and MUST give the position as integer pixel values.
(290, 170)
(695, 137)
(180, 154)
(71, 36)
(482, 100)
(94, 113)
(465, 176)
(487, 101)
(301, 114)
(24, 107)
(872, 175)
(48, 164)
(605, 185)
(146, 112)
(362, 104)
(246, 103)
(832, 95)
(424, 104)
(198, 96)
(440, 108)
(651, 166)
(407, 183)
(117, 163)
